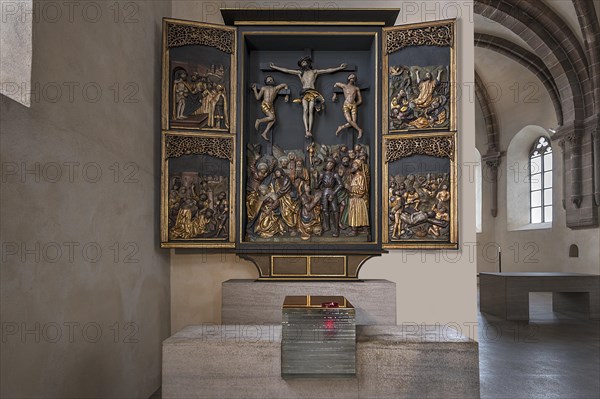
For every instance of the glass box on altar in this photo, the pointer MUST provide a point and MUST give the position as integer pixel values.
(318, 337)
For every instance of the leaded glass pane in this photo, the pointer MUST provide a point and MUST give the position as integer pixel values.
(536, 215)
(535, 165)
(548, 197)
(536, 182)
(548, 179)
(547, 161)
(536, 198)
(548, 214)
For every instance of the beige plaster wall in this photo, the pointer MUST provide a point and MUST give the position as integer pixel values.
(433, 287)
(532, 249)
(84, 286)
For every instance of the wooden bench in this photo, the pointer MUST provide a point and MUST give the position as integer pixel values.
(507, 294)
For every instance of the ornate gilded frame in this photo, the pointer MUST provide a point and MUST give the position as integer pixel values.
(437, 33)
(399, 146)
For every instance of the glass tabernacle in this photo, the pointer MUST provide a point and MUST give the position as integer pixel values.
(318, 337)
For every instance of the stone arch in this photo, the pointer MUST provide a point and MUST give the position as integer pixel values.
(547, 48)
(526, 58)
(478, 192)
(590, 28)
(489, 115)
(568, 43)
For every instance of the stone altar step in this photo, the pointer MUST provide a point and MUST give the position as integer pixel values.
(244, 361)
(259, 302)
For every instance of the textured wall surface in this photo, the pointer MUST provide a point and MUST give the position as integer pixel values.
(84, 286)
(432, 287)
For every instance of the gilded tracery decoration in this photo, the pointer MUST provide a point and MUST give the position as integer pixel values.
(439, 36)
(183, 35)
(219, 147)
(439, 146)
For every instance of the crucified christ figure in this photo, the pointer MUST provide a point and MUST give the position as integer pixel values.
(352, 100)
(311, 99)
(268, 94)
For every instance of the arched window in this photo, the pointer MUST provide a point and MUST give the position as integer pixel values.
(540, 181)
(519, 179)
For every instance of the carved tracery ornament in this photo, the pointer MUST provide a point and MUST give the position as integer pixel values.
(218, 147)
(183, 35)
(438, 146)
(439, 36)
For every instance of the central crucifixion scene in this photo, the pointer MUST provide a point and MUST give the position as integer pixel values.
(317, 190)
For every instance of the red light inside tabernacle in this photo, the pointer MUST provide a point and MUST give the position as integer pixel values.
(329, 326)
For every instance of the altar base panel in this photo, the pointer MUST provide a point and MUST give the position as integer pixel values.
(256, 302)
(244, 361)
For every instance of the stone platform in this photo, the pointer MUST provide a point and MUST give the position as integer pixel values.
(258, 302)
(244, 361)
(507, 294)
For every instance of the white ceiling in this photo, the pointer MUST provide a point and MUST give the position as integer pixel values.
(566, 10)
(487, 26)
(517, 95)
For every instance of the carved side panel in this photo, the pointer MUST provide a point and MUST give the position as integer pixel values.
(197, 191)
(199, 76)
(419, 77)
(420, 191)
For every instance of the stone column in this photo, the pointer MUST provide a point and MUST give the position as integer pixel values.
(492, 160)
(596, 155)
(569, 137)
(573, 143)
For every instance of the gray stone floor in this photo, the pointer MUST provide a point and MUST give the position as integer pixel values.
(551, 356)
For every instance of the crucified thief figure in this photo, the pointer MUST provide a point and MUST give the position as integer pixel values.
(268, 93)
(311, 99)
(352, 100)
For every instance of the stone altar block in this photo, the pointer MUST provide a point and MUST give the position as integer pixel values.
(244, 361)
(258, 302)
(507, 294)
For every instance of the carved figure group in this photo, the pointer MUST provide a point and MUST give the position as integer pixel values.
(195, 209)
(419, 98)
(316, 191)
(201, 99)
(288, 197)
(419, 206)
(312, 101)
